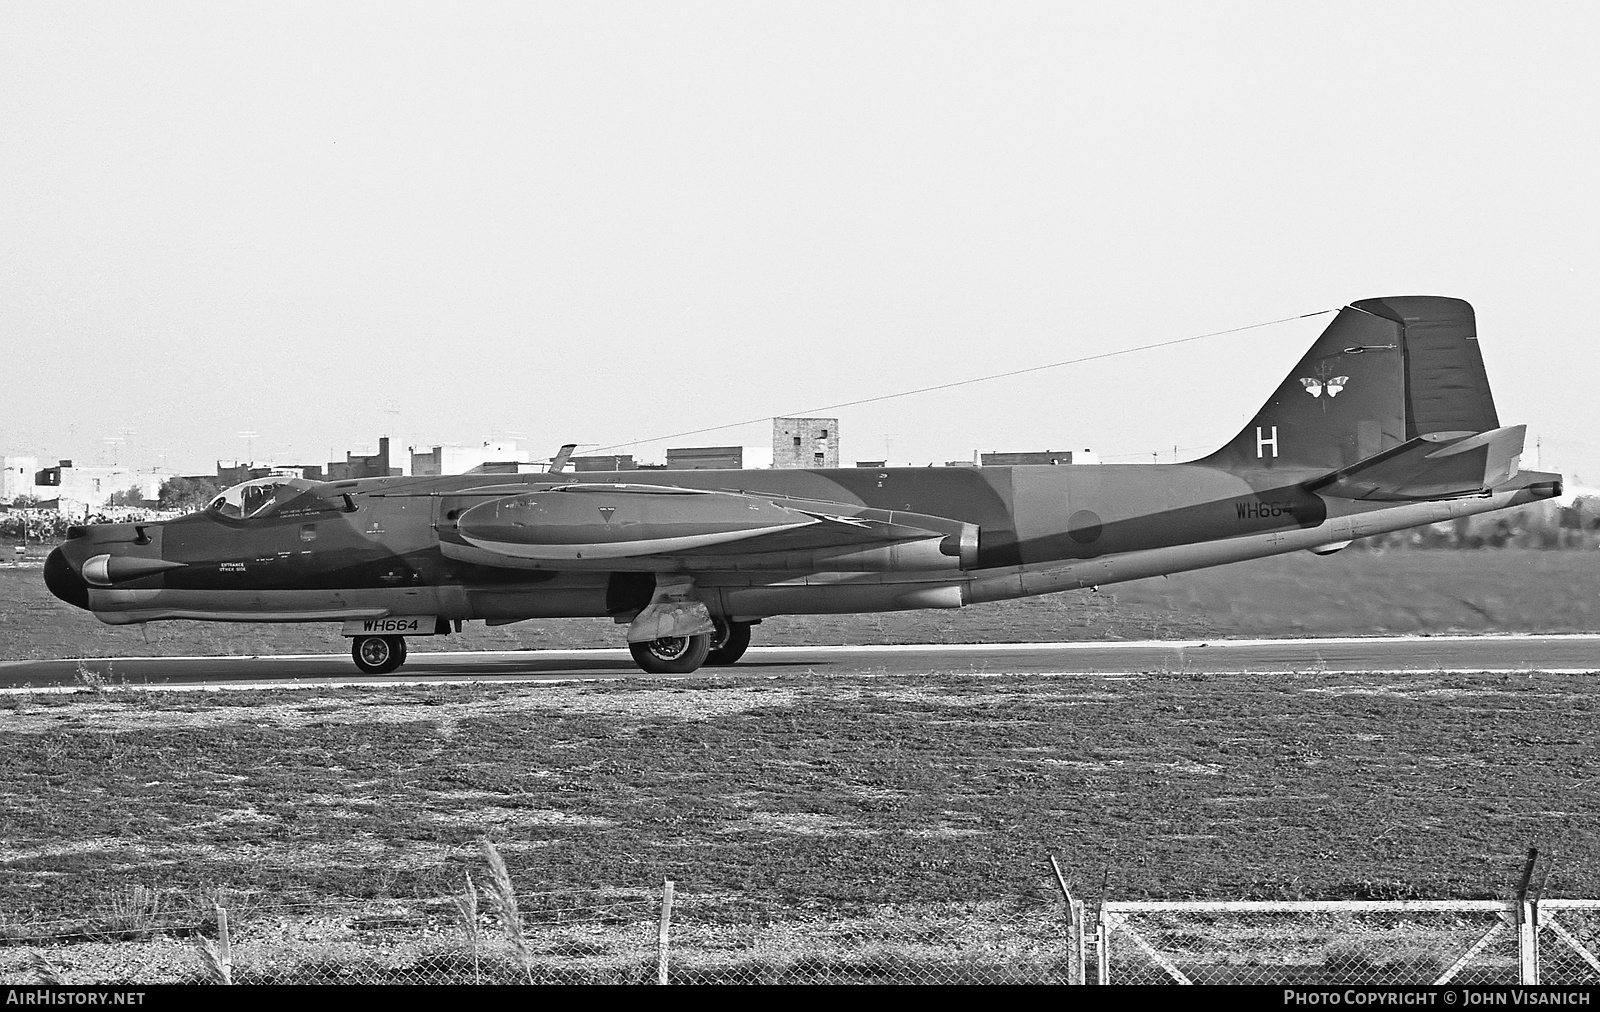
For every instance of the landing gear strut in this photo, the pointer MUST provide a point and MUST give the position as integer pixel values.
(671, 655)
(729, 640)
(378, 655)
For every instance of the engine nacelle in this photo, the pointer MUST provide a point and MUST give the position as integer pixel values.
(649, 528)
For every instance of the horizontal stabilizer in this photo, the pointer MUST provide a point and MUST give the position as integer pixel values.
(1437, 465)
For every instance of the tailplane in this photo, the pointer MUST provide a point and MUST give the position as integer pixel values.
(1439, 465)
(1385, 374)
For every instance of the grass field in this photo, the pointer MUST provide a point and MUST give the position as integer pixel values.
(834, 795)
(1351, 593)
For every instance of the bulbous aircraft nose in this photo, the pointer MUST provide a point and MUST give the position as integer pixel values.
(64, 581)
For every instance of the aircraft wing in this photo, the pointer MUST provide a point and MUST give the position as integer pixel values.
(1437, 465)
(656, 527)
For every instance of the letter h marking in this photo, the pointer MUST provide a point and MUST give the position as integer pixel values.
(1262, 442)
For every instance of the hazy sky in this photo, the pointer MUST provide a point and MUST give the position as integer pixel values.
(591, 222)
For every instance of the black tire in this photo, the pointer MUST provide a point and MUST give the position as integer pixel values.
(378, 655)
(673, 655)
(729, 641)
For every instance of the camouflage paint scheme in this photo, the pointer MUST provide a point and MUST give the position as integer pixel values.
(1386, 423)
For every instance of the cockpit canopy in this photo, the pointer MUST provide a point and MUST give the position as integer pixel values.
(276, 494)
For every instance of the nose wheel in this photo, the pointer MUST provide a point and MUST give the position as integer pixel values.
(378, 655)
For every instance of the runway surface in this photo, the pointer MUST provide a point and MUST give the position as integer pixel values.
(1561, 654)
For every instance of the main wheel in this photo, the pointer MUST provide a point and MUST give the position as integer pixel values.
(671, 655)
(378, 655)
(729, 641)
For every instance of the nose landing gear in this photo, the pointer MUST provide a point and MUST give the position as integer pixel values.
(378, 655)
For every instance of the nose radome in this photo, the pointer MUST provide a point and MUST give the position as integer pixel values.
(63, 580)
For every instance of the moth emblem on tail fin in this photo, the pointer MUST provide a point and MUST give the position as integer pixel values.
(1324, 380)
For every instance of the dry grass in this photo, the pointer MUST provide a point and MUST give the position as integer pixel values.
(467, 907)
(45, 971)
(503, 898)
(131, 913)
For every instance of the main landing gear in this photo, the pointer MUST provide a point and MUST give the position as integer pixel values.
(378, 655)
(671, 655)
(729, 641)
(679, 655)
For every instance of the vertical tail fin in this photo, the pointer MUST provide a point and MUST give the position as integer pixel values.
(1384, 372)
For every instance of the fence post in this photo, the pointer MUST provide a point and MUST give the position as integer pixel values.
(1533, 916)
(1528, 943)
(1102, 946)
(224, 945)
(1527, 925)
(1075, 970)
(666, 927)
(1079, 963)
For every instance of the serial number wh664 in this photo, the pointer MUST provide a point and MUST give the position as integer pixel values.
(414, 625)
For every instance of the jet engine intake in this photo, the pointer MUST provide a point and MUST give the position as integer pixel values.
(105, 570)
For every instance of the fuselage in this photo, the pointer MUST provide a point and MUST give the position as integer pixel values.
(393, 546)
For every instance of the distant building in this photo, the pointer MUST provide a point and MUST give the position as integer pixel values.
(468, 459)
(310, 472)
(234, 472)
(508, 467)
(705, 458)
(230, 473)
(375, 465)
(16, 477)
(93, 485)
(604, 462)
(805, 442)
(1039, 457)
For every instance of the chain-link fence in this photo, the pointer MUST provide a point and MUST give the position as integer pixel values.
(1014, 941)
(1357, 942)
(562, 938)
(1568, 941)
(624, 939)
(643, 937)
(1378, 943)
